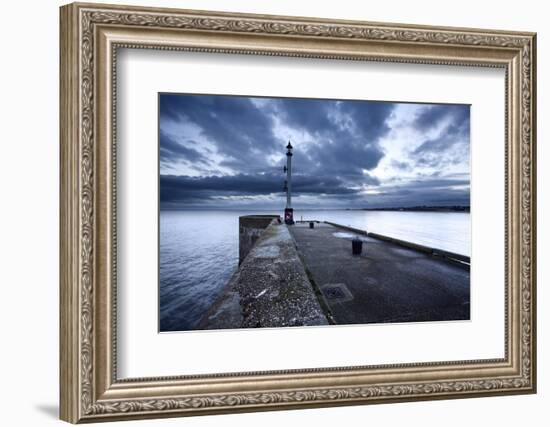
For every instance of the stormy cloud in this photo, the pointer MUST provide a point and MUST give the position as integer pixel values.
(229, 152)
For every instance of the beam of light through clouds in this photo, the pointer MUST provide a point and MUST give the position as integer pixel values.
(228, 152)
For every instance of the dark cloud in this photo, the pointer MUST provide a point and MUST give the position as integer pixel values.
(310, 115)
(434, 192)
(170, 149)
(452, 135)
(235, 125)
(432, 115)
(369, 118)
(349, 158)
(346, 133)
(452, 144)
(187, 189)
(404, 166)
(341, 147)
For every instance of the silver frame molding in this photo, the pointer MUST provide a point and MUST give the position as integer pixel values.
(90, 37)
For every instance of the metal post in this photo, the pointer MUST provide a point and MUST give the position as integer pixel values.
(289, 212)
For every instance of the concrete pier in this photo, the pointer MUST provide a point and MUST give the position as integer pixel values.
(270, 288)
(300, 275)
(251, 228)
(388, 282)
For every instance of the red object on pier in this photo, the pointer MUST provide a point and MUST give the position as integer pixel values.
(289, 216)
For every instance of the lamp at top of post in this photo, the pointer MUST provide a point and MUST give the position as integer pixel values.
(289, 212)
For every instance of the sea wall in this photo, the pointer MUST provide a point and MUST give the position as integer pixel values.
(270, 288)
(250, 229)
(462, 260)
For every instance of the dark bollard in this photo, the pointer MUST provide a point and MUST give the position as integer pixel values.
(356, 246)
(311, 224)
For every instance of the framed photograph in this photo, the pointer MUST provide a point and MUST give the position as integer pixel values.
(267, 212)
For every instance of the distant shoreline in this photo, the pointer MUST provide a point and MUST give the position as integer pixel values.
(419, 209)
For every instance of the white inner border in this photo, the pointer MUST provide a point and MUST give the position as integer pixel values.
(143, 352)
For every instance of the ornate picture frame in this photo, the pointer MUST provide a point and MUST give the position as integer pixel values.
(90, 37)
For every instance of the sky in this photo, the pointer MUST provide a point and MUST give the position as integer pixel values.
(228, 152)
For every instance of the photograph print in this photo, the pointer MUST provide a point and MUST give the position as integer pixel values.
(277, 212)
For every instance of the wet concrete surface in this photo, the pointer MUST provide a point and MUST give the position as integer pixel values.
(386, 283)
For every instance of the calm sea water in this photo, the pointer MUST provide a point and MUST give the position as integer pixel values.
(199, 250)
